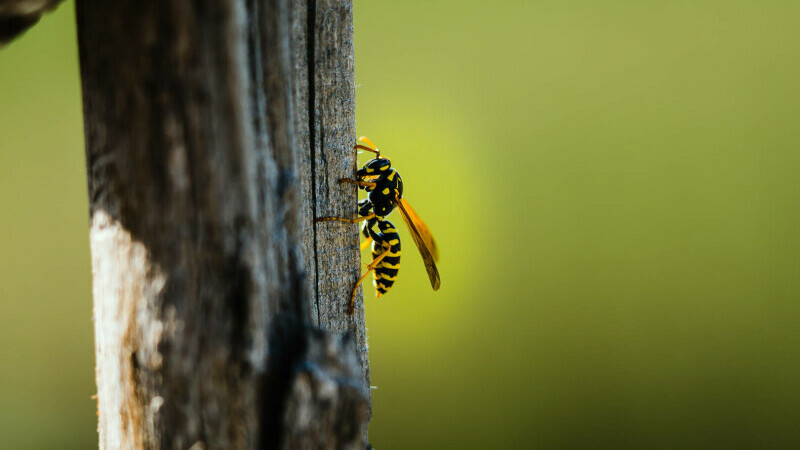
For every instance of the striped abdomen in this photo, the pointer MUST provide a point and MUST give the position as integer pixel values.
(386, 272)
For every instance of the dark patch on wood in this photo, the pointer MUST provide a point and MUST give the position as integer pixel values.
(289, 343)
(238, 299)
(327, 397)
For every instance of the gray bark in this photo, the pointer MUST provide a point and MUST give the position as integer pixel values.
(216, 131)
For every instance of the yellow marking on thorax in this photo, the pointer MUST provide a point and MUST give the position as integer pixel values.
(389, 230)
(385, 191)
(391, 176)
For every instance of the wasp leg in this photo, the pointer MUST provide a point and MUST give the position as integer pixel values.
(366, 184)
(370, 268)
(344, 219)
(366, 243)
(365, 227)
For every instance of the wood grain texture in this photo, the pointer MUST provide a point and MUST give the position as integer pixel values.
(324, 94)
(324, 399)
(203, 313)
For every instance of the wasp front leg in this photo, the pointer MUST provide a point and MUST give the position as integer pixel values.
(367, 185)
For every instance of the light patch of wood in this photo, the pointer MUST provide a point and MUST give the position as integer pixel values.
(124, 279)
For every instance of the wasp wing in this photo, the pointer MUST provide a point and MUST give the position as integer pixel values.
(427, 257)
(424, 231)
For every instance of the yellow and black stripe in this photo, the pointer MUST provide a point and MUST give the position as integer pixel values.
(383, 239)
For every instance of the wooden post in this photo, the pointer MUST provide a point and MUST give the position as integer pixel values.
(325, 127)
(216, 131)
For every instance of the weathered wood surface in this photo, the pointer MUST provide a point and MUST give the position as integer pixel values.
(325, 127)
(215, 131)
(324, 399)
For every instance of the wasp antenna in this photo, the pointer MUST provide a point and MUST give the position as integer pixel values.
(374, 148)
(364, 147)
(368, 142)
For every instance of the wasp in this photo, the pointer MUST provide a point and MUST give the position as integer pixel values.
(384, 189)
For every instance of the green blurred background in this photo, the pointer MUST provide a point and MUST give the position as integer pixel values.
(614, 187)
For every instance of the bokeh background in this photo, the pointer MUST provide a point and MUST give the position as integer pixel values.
(614, 187)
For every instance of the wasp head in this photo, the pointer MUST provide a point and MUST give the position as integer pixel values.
(375, 167)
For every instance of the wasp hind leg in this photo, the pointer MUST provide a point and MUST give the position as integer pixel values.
(370, 268)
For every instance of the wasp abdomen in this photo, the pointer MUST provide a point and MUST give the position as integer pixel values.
(386, 271)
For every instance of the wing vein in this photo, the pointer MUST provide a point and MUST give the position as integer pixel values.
(424, 242)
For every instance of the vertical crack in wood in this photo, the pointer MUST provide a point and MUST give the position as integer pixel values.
(336, 245)
(311, 11)
(323, 55)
